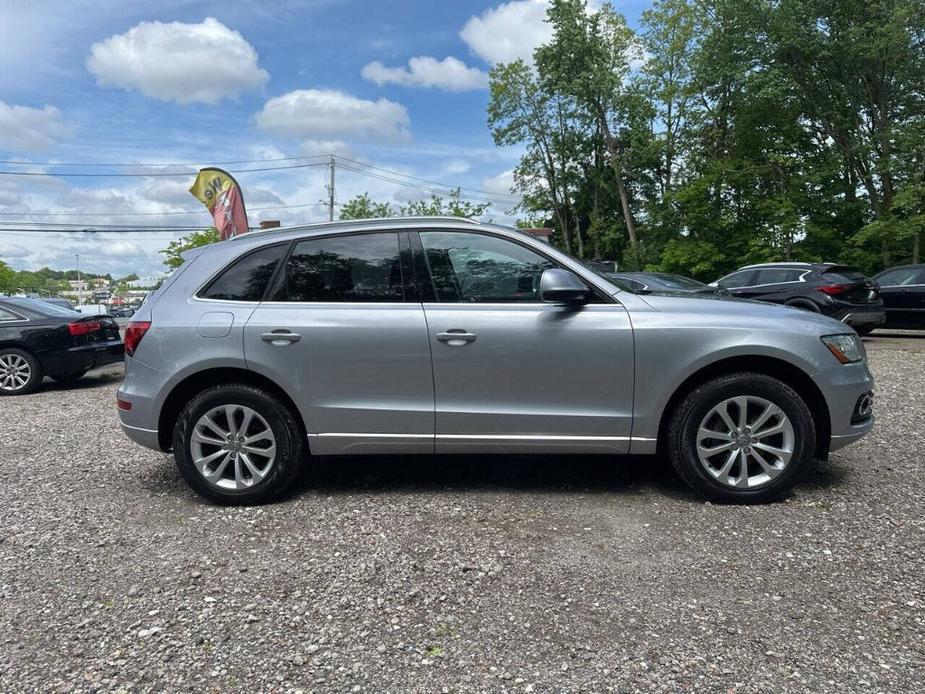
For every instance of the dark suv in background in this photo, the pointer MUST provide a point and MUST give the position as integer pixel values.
(838, 291)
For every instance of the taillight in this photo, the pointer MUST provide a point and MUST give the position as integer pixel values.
(832, 289)
(83, 327)
(134, 331)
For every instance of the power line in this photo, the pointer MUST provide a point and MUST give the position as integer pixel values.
(19, 162)
(435, 191)
(147, 214)
(149, 175)
(424, 180)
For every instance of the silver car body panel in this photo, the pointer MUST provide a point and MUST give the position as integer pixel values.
(373, 378)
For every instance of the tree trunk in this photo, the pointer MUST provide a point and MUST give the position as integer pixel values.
(617, 165)
(581, 245)
(915, 248)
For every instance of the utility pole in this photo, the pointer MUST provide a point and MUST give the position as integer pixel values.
(331, 191)
(77, 255)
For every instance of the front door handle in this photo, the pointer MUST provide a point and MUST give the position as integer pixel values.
(280, 337)
(456, 337)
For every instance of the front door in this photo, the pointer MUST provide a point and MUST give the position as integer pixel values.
(512, 373)
(356, 355)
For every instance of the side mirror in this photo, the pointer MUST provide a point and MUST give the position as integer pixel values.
(562, 287)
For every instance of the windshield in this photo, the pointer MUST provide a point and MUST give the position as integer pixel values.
(40, 306)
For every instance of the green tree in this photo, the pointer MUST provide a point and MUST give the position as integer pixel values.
(7, 276)
(362, 207)
(175, 249)
(451, 206)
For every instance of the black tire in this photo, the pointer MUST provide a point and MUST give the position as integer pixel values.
(686, 419)
(67, 379)
(36, 374)
(289, 440)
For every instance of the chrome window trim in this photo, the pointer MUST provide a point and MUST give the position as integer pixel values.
(21, 318)
(767, 284)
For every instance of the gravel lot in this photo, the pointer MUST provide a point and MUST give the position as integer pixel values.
(457, 574)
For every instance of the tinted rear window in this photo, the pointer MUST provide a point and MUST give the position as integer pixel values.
(844, 275)
(246, 279)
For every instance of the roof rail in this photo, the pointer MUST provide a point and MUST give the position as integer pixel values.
(370, 221)
(783, 263)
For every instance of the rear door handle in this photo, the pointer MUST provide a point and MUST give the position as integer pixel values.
(280, 337)
(456, 337)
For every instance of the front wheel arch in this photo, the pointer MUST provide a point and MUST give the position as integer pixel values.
(793, 376)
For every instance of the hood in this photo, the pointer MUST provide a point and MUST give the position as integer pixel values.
(742, 312)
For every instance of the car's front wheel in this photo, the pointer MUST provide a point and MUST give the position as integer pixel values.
(741, 438)
(237, 444)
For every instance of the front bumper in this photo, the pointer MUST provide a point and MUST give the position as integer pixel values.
(842, 386)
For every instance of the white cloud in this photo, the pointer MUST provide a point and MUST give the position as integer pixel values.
(328, 113)
(27, 128)
(11, 250)
(450, 74)
(312, 147)
(120, 249)
(500, 184)
(509, 31)
(179, 62)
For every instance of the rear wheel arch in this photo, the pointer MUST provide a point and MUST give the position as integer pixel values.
(192, 385)
(782, 370)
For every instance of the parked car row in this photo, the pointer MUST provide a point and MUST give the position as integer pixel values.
(38, 338)
(894, 298)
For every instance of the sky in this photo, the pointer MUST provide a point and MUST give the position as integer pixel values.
(158, 87)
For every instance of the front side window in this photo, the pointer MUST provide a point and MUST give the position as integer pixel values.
(476, 268)
(355, 268)
(246, 279)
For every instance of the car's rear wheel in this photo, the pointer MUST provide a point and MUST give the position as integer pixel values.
(20, 371)
(238, 444)
(741, 438)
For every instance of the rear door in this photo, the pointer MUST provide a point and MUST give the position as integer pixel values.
(770, 284)
(337, 329)
(512, 373)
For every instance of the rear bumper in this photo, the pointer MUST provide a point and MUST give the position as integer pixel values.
(140, 388)
(861, 315)
(83, 358)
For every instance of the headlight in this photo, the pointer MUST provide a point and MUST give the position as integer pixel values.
(846, 348)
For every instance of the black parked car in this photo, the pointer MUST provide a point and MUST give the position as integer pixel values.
(835, 290)
(903, 292)
(660, 283)
(38, 339)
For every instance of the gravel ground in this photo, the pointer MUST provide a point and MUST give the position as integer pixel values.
(457, 574)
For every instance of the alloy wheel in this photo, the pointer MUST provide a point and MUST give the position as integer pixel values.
(15, 372)
(233, 447)
(745, 442)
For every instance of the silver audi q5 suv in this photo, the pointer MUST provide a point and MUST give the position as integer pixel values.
(436, 335)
